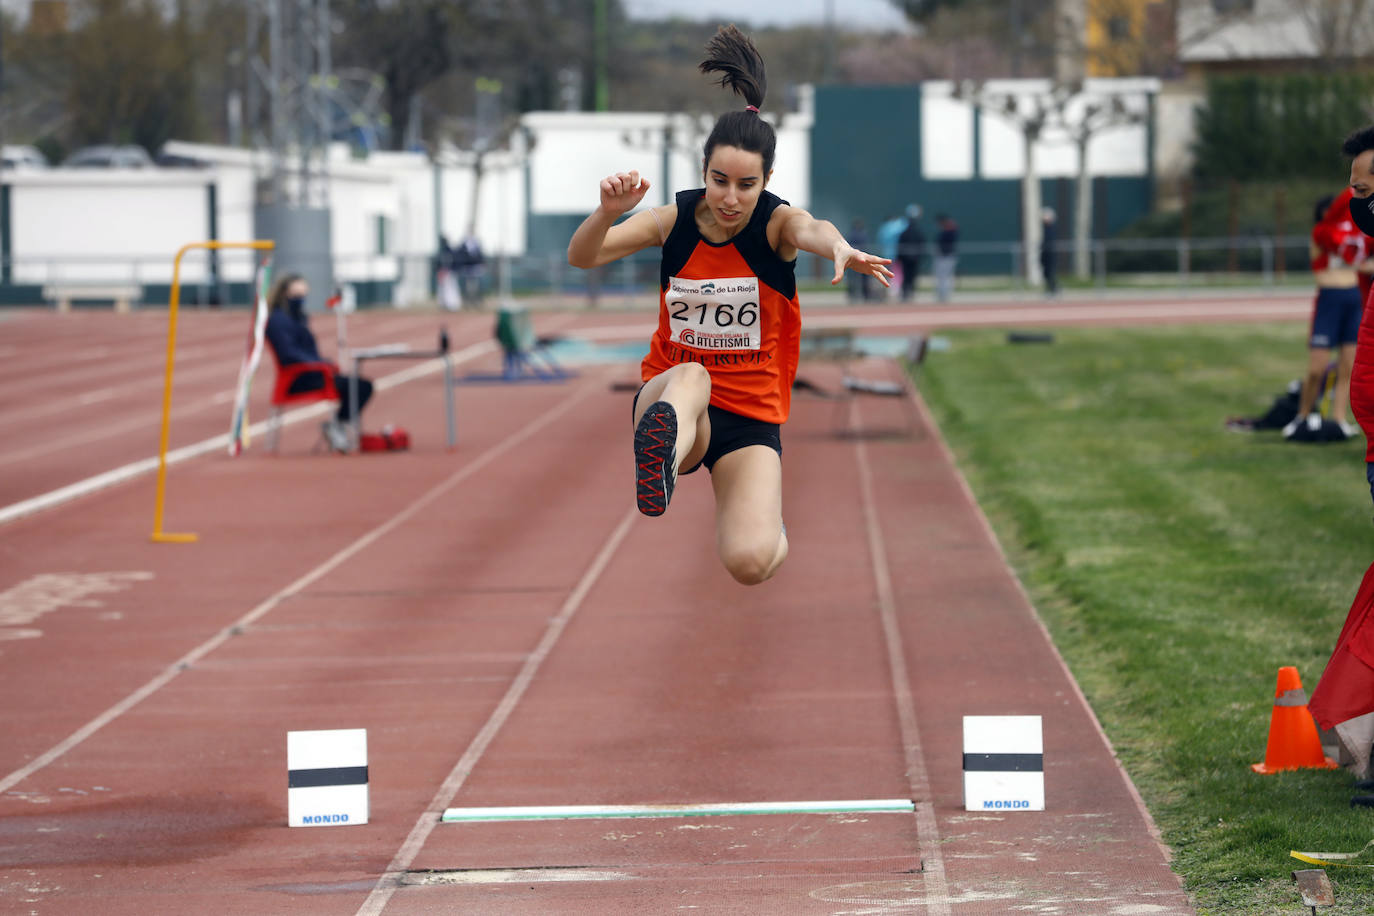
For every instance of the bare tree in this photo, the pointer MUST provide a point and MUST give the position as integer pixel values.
(1064, 108)
(32, 106)
(130, 77)
(1330, 34)
(1096, 117)
(1032, 113)
(1341, 30)
(408, 43)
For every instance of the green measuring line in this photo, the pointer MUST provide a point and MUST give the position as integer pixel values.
(575, 812)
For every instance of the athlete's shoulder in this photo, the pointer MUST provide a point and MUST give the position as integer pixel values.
(689, 196)
(779, 210)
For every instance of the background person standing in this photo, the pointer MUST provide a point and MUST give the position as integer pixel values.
(1048, 255)
(1337, 248)
(446, 278)
(470, 265)
(911, 247)
(859, 286)
(946, 255)
(889, 231)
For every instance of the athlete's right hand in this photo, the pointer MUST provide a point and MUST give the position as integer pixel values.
(622, 192)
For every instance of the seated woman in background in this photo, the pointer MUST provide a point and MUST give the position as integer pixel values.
(289, 334)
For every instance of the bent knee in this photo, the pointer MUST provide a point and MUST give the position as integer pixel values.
(692, 374)
(751, 564)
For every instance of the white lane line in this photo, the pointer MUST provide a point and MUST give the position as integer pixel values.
(145, 465)
(91, 353)
(90, 397)
(122, 364)
(388, 883)
(93, 434)
(223, 636)
(927, 828)
(185, 374)
(183, 378)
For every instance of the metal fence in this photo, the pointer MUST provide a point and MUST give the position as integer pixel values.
(403, 280)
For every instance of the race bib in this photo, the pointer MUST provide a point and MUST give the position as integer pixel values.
(716, 315)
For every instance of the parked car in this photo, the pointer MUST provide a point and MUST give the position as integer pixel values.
(168, 160)
(22, 157)
(129, 156)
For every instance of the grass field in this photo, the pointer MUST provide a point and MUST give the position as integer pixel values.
(1178, 565)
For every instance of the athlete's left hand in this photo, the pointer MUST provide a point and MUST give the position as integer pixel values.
(860, 262)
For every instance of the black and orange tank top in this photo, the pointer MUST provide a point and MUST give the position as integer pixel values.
(733, 308)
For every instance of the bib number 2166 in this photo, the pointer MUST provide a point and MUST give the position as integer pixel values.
(720, 314)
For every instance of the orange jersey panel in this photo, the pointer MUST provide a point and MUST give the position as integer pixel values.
(721, 306)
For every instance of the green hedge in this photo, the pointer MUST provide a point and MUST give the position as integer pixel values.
(1288, 126)
(1257, 204)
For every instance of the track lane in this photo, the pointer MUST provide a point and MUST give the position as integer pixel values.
(314, 657)
(976, 646)
(118, 431)
(437, 595)
(676, 685)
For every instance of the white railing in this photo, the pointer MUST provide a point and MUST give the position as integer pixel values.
(407, 279)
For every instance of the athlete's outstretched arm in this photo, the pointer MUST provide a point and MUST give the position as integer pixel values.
(800, 230)
(599, 240)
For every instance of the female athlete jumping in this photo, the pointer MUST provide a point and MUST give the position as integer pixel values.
(718, 377)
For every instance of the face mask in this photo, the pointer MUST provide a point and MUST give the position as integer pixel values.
(296, 304)
(1362, 212)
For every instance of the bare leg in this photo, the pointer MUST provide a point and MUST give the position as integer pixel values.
(687, 387)
(749, 534)
(1340, 396)
(1317, 360)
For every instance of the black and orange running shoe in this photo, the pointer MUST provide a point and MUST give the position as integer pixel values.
(656, 458)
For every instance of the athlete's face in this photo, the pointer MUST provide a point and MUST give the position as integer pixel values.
(1362, 174)
(734, 181)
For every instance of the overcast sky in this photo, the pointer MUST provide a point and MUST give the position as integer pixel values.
(852, 14)
(866, 15)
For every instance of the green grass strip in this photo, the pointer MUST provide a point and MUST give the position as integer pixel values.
(1177, 565)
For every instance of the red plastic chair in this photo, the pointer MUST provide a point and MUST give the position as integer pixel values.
(283, 397)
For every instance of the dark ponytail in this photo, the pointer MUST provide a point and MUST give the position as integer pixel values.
(731, 54)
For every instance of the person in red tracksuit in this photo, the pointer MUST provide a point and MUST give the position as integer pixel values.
(1360, 147)
(1345, 693)
(718, 377)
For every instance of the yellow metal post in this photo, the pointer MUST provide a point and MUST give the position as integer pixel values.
(160, 536)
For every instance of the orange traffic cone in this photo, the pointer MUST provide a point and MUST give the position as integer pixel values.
(1293, 742)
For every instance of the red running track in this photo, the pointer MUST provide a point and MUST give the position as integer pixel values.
(510, 632)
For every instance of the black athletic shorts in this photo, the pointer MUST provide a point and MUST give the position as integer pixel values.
(730, 432)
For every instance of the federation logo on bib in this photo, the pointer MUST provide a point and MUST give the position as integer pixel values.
(716, 315)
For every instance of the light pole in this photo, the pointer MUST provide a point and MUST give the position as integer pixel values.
(601, 42)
